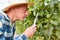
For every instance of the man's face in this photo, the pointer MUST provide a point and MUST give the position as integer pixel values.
(20, 12)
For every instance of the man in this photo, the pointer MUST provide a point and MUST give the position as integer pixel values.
(10, 11)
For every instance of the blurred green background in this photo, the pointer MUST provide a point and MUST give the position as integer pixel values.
(48, 24)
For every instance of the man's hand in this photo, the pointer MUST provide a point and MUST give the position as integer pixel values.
(30, 31)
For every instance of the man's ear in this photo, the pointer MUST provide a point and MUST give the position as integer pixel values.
(9, 10)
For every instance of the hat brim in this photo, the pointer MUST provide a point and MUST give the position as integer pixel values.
(7, 8)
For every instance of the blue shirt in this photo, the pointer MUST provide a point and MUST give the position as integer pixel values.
(7, 29)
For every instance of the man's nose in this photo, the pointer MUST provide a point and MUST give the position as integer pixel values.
(26, 13)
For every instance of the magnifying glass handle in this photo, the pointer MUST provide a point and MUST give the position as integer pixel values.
(35, 20)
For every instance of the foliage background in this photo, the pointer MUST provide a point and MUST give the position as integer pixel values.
(48, 24)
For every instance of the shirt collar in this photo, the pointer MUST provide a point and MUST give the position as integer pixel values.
(5, 15)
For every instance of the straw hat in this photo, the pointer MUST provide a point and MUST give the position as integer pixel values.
(6, 4)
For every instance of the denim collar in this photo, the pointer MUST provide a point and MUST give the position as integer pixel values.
(5, 15)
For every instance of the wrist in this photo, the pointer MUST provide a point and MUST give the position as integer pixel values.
(24, 37)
